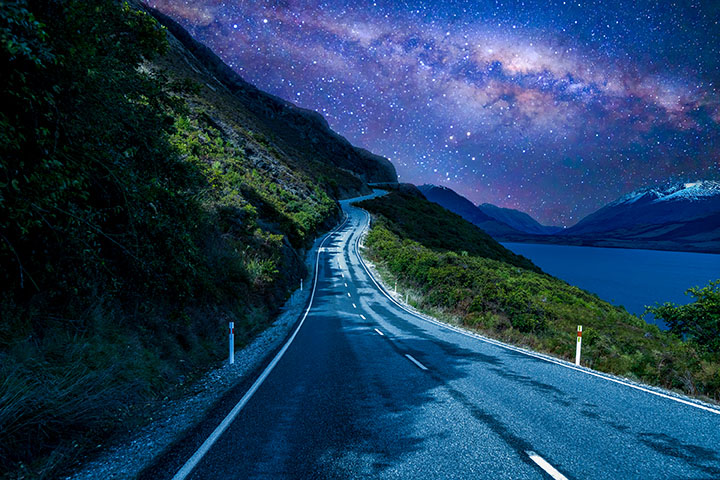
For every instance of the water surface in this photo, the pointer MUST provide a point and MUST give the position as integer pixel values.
(631, 278)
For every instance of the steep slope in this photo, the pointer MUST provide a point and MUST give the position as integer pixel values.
(147, 197)
(302, 135)
(518, 220)
(460, 205)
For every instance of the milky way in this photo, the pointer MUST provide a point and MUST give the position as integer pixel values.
(551, 107)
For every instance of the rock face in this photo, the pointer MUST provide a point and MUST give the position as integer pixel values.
(300, 133)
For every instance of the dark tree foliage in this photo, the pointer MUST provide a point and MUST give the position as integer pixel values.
(90, 189)
(698, 321)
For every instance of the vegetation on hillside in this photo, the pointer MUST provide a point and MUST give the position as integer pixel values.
(468, 279)
(699, 321)
(132, 228)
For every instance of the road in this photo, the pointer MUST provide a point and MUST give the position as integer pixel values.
(366, 389)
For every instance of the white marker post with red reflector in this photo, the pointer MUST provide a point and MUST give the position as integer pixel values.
(232, 342)
(579, 345)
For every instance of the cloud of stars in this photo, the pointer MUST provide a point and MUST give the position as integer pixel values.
(551, 107)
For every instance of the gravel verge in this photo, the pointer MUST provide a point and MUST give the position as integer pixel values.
(173, 418)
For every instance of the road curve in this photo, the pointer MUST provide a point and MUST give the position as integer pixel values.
(366, 389)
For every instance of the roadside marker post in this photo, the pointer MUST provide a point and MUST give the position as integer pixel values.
(232, 342)
(579, 345)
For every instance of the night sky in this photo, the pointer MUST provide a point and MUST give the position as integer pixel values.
(551, 107)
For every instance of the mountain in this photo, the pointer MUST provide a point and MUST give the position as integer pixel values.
(520, 221)
(676, 216)
(460, 205)
(672, 204)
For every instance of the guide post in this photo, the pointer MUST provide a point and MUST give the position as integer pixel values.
(579, 345)
(232, 342)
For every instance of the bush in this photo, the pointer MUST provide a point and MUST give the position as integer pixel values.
(490, 290)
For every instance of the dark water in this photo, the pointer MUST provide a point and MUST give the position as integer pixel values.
(631, 278)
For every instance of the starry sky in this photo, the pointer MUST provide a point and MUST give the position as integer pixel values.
(552, 107)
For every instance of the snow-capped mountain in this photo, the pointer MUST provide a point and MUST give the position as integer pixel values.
(669, 204)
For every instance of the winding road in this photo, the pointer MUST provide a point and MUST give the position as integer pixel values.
(366, 389)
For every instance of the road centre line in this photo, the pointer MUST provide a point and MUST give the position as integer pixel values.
(542, 463)
(380, 333)
(539, 356)
(363, 316)
(419, 365)
(354, 306)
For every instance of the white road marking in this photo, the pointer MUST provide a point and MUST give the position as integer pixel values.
(346, 284)
(380, 333)
(544, 358)
(348, 294)
(354, 306)
(363, 316)
(188, 467)
(343, 275)
(542, 463)
(420, 365)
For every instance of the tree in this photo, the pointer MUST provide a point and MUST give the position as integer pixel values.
(699, 321)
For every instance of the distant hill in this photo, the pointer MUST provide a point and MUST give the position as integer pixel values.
(456, 203)
(520, 221)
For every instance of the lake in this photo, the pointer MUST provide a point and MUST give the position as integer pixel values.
(631, 278)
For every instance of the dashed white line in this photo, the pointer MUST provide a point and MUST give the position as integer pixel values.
(542, 463)
(345, 284)
(363, 316)
(522, 351)
(348, 294)
(380, 333)
(354, 306)
(419, 365)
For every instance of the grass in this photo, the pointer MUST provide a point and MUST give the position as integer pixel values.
(493, 292)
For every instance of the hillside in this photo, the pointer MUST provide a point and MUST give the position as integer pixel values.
(147, 197)
(462, 277)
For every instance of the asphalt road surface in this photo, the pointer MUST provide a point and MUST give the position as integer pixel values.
(368, 390)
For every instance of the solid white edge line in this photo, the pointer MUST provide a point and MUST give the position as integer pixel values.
(542, 463)
(419, 365)
(192, 462)
(520, 350)
(380, 333)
